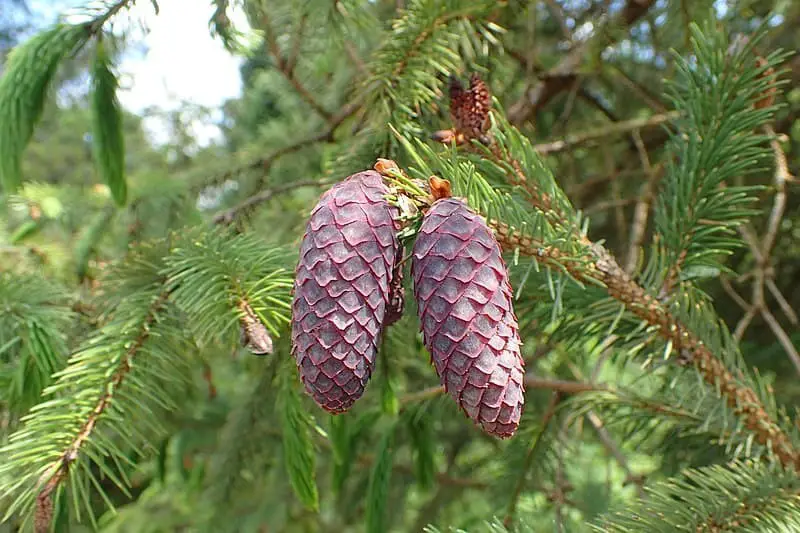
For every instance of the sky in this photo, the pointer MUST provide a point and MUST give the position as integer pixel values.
(180, 61)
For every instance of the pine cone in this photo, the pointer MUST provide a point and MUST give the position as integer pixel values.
(341, 289)
(468, 322)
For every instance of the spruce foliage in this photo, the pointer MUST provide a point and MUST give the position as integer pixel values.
(146, 376)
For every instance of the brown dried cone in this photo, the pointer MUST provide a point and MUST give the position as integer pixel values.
(469, 108)
(469, 111)
(341, 289)
(254, 334)
(468, 322)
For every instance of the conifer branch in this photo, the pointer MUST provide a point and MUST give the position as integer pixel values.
(106, 403)
(594, 265)
(219, 280)
(602, 134)
(59, 469)
(407, 71)
(286, 66)
(561, 77)
(555, 398)
(762, 249)
(265, 163)
(530, 381)
(25, 85)
(748, 496)
(604, 268)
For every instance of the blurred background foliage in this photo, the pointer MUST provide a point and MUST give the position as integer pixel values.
(582, 79)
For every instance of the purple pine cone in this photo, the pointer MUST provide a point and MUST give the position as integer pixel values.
(341, 289)
(468, 322)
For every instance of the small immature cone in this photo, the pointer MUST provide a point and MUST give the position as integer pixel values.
(468, 322)
(341, 289)
(469, 108)
(254, 335)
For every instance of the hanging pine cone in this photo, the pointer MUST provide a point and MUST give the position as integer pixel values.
(468, 322)
(341, 289)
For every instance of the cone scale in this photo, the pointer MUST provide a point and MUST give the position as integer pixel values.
(342, 289)
(465, 308)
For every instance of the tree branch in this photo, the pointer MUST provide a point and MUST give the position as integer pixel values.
(560, 78)
(762, 273)
(642, 211)
(286, 67)
(555, 398)
(229, 215)
(60, 468)
(602, 134)
(530, 381)
(602, 267)
(265, 163)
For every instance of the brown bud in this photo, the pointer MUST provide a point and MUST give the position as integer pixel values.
(43, 515)
(768, 96)
(254, 335)
(384, 166)
(439, 188)
(447, 136)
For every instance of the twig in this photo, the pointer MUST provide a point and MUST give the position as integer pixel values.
(229, 215)
(609, 204)
(728, 288)
(60, 468)
(617, 128)
(782, 176)
(608, 442)
(647, 97)
(548, 415)
(596, 102)
(560, 78)
(642, 211)
(599, 427)
(265, 163)
(784, 305)
(355, 58)
(287, 69)
(530, 381)
(558, 497)
(558, 14)
(297, 41)
(762, 273)
(783, 337)
(96, 25)
(617, 203)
